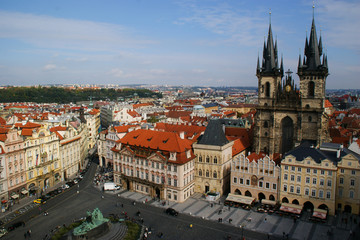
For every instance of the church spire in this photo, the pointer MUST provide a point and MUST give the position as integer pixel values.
(312, 52)
(270, 54)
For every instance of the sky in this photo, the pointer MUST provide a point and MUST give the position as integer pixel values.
(165, 42)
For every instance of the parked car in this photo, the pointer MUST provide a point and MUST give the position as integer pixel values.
(39, 201)
(171, 211)
(16, 225)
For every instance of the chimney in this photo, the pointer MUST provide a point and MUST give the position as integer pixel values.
(182, 134)
(338, 153)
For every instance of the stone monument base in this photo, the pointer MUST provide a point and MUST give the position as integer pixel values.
(95, 233)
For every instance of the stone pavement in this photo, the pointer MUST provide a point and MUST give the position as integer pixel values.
(274, 225)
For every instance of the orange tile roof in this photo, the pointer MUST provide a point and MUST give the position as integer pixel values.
(122, 129)
(27, 132)
(159, 141)
(94, 111)
(328, 104)
(189, 130)
(3, 137)
(133, 113)
(2, 121)
(135, 106)
(255, 156)
(27, 125)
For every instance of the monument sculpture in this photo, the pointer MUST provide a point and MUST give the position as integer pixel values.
(93, 220)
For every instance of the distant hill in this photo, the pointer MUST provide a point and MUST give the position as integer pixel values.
(63, 95)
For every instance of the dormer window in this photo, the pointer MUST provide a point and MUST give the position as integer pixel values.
(172, 156)
(188, 154)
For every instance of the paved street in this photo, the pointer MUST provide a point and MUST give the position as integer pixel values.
(71, 205)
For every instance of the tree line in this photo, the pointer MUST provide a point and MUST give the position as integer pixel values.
(65, 95)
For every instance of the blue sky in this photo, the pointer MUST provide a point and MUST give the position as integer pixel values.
(184, 42)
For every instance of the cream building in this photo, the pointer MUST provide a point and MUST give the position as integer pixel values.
(308, 178)
(255, 175)
(213, 160)
(348, 182)
(42, 159)
(69, 151)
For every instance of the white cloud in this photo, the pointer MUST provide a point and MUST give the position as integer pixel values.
(341, 22)
(50, 32)
(236, 25)
(49, 67)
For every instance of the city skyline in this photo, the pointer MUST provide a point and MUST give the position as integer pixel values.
(204, 43)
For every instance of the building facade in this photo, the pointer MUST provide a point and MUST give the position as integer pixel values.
(158, 164)
(255, 175)
(213, 160)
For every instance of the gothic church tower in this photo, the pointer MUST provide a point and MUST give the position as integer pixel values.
(286, 115)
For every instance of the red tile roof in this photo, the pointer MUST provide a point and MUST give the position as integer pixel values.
(135, 106)
(328, 104)
(190, 131)
(133, 113)
(27, 132)
(2, 121)
(27, 125)
(165, 142)
(122, 129)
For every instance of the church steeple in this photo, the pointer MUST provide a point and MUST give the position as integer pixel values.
(312, 54)
(270, 63)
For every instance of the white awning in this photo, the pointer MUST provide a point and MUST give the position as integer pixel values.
(24, 192)
(268, 202)
(240, 199)
(319, 213)
(291, 208)
(15, 196)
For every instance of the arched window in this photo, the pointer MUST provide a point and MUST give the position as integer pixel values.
(207, 173)
(200, 158)
(207, 159)
(267, 89)
(266, 124)
(200, 173)
(311, 89)
(310, 118)
(215, 174)
(215, 160)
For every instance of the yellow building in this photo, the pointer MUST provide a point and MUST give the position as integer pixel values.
(213, 160)
(42, 159)
(348, 182)
(326, 178)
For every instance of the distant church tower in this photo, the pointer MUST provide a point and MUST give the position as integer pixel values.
(286, 115)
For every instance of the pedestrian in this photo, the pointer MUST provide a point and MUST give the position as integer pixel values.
(25, 235)
(191, 226)
(29, 232)
(265, 220)
(230, 220)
